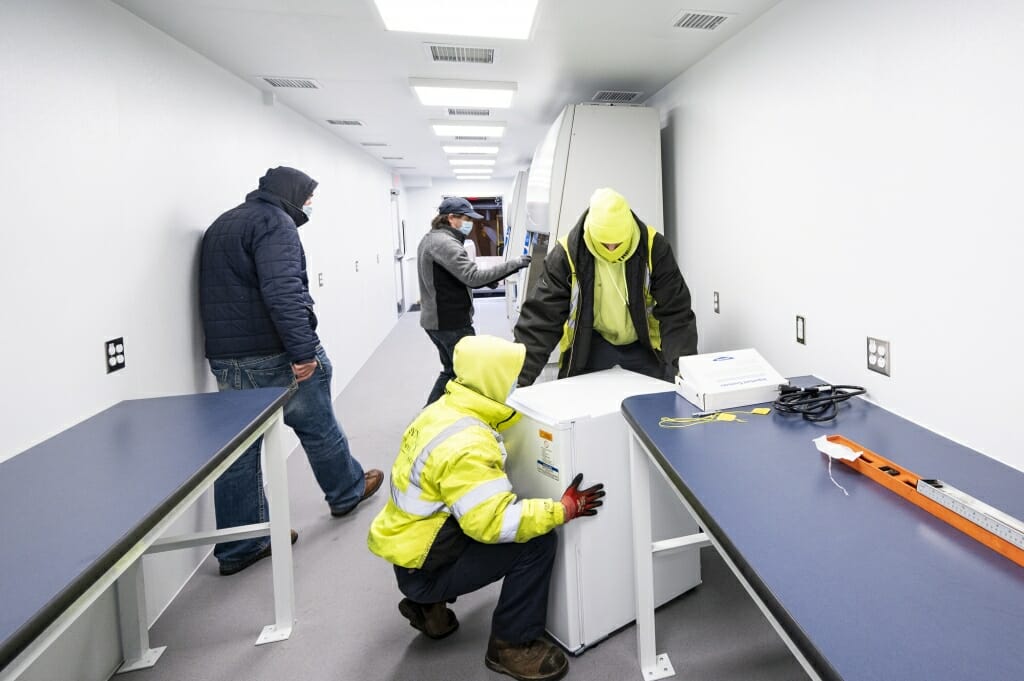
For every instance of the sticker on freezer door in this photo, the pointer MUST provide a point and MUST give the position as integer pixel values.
(546, 464)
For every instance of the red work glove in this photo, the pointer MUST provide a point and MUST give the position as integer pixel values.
(579, 502)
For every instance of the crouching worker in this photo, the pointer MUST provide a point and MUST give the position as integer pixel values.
(453, 524)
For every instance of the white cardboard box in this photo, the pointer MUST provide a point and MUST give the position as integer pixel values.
(725, 380)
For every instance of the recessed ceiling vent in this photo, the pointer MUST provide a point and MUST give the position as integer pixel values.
(467, 138)
(404, 167)
(393, 158)
(615, 96)
(469, 112)
(301, 83)
(345, 121)
(460, 54)
(374, 144)
(701, 21)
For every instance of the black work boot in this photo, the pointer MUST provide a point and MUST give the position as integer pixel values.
(435, 620)
(536, 660)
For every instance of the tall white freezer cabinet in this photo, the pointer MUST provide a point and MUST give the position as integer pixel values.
(572, 426)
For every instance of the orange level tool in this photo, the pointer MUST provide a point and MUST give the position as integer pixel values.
(1000, 532)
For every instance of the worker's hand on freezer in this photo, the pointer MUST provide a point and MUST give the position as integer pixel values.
(524, 260)
(579, 502)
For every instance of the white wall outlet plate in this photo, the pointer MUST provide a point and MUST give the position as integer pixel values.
(879, 356)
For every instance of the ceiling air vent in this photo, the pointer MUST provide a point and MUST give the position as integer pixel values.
(301, 83)
(615, 96)
(467, 138)
(702, 21)
(374, 144)
(393, 158)
(469, 112)
(460, 54)
(344, 121)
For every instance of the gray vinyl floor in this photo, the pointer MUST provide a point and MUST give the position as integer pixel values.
(348, 627)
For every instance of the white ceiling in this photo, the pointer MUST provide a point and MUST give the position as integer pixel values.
(577, 47)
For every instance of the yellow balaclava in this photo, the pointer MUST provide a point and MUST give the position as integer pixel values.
(610, 221)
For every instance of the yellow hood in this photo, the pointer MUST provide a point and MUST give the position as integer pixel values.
(610, 221)
(488, 365)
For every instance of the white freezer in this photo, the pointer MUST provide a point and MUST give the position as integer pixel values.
(575, 425)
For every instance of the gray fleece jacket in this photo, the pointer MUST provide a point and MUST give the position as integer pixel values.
(448, 276)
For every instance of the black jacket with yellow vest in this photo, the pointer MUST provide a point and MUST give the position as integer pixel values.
(659, 305)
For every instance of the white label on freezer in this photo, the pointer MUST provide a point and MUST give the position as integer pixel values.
(545, 464)
(547, 469)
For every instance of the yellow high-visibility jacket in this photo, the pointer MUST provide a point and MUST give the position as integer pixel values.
(448, 484)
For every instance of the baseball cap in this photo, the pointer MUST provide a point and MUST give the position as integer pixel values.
(458, 205)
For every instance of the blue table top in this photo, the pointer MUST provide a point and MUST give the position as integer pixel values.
(71, 506)
(869, 586)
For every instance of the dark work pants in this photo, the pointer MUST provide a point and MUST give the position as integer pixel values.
(634, 357)
(445, 340)
(523, 605)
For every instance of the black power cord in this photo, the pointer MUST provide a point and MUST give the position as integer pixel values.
(816, 403)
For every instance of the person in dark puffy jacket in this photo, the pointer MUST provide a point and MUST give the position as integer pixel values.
(261, 332)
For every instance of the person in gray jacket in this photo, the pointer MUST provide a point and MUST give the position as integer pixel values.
(447, 278)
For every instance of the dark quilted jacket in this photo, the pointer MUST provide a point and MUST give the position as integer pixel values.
(253, 290)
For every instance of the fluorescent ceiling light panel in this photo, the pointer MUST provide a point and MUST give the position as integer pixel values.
(470, 93)
(472, 177)
(449, 129)
(466, 149)
(479, 18)
(471, 161)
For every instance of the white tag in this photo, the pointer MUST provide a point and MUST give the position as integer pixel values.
(835, 450)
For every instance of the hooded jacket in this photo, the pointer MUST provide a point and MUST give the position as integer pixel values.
(663, 319)
(448, 484)
(253, 289)
(447, 278)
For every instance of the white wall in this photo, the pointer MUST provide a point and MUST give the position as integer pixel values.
(120, 146)
(859, 163)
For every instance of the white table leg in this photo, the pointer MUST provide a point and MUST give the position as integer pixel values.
(280, 534)
(133, 621)
(652, 665)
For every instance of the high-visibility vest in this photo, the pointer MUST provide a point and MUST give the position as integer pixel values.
(569, 328)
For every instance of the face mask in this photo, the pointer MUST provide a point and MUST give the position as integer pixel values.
(467, 227)
(308, 210)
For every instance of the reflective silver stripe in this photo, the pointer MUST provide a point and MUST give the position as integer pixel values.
(510, 523)
(574, 302)
(421, 459)
(647, 292)
(479, 494)
(411, 500)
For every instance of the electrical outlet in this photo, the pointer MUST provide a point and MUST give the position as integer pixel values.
(320, 279)
(800, 337)
(357, 265)
(879, 356)
(113, 355)
(716, 303)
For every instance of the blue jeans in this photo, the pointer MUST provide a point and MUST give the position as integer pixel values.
(445, 340)
(238, 493)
